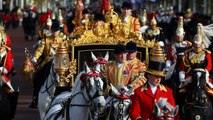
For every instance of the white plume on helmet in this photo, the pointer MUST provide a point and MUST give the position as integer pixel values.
(204, 34)
(180, 31)
(60, 15)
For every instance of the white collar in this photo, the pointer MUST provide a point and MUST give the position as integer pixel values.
(119, 65)
(153, 88)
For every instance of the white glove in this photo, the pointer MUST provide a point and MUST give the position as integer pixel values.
(161, 43)
(4, 71)
(181, 75)
(168, 65)
(34, 60)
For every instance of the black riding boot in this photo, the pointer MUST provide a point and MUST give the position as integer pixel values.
(34, 102)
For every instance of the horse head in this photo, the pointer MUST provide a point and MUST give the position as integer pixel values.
(100, 60)
(164, 110)
(198, 105)
(197, 93)
(120, 102)
(94, 85)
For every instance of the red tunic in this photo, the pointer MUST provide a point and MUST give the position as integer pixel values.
(143, 101)
(203, 58)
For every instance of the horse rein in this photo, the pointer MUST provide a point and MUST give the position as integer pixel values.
(48, 87)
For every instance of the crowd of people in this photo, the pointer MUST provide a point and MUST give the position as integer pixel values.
(181, 48)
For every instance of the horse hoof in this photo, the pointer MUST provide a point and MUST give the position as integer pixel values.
(33, 104)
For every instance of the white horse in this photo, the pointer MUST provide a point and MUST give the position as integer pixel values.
(119, 102)
(100, 60)
(86, 93)
(46, 92)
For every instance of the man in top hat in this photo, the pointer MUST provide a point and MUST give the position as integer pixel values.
(147, 95)
(130, 23)
(139, 67)
(45, 52)
(119, 71)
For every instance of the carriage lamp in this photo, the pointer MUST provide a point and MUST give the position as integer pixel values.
(61, 63)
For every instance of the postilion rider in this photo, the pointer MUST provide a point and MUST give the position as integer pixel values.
(145, 96)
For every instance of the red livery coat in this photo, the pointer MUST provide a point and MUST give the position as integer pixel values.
(143, 101)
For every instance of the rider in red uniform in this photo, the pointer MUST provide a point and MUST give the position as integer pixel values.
(145, 96)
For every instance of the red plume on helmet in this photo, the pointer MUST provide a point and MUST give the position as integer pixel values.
(43, 18)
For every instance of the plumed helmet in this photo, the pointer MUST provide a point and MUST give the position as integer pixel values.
(60, 15)
(180, 31)
(153, 21)
(204, 34)
(49, 21)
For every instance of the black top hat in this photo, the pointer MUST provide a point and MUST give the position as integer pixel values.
(120, 48)
(131, 46)
(127, 5)
(156, 61)
(55, 25)
(99, 16)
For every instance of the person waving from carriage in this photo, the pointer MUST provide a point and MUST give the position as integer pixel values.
(44, 54)
(148, 94)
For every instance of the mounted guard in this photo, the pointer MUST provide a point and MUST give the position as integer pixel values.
(194, 75)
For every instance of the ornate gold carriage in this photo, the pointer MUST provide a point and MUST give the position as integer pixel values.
(100, 38)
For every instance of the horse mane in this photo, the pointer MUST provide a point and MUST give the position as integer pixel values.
(163, 102)
(77, 80)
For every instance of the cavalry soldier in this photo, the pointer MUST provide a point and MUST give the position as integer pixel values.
(63, 26)
(139, 67)
(29, 20)
(45, 52)
(175, 52)
(154, 32)
(45, 29)
(197, 58)
(5, 59)
(146, 95)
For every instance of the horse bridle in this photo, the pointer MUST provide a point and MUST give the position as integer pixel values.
(53, 76)
(98, 93)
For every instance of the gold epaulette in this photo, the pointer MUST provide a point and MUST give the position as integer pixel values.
(8, 48)
(159, 28)
(188, 50)
(207, 51)
(162, 88)
(144, 87)
(190, 43)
